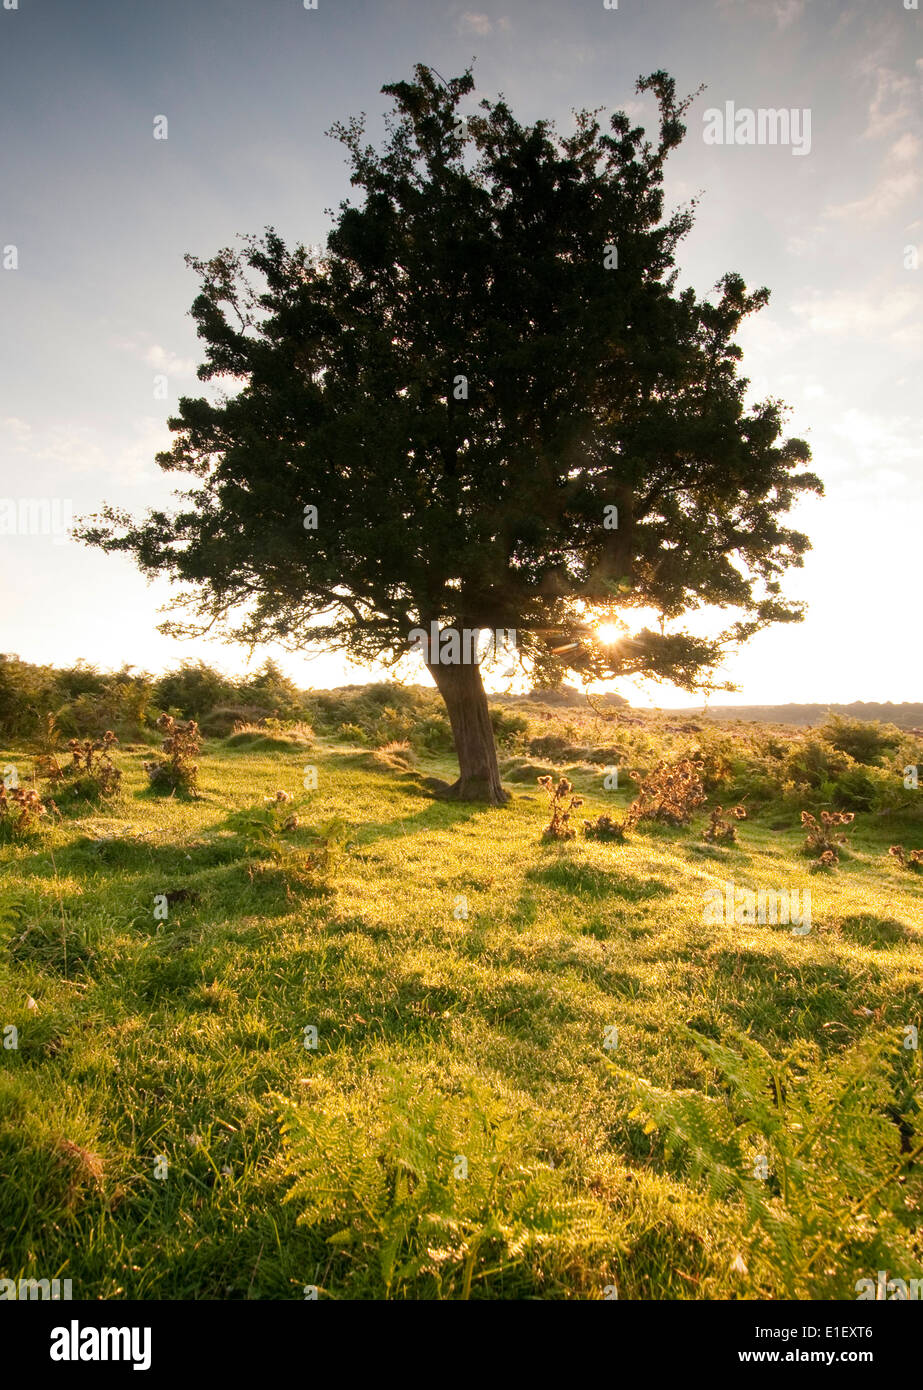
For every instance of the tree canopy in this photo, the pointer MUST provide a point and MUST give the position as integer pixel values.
(502, 407)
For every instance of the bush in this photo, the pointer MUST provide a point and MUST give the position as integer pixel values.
(552, 746)
(193, 690)
(864, 740)
(507, 727)
(814, 765)
(272, 690)
(224, 719)
(122, 703)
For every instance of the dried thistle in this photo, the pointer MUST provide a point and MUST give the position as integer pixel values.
(669, 794)
(559, 827)
(821, 838)
(182, 742)
(721, 831)
(908, 859)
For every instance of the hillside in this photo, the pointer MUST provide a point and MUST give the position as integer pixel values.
(539, 1072)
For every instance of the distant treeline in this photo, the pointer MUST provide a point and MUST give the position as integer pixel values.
(904, 716)
(83, 700)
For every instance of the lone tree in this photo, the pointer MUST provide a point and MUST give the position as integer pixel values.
(484, 406)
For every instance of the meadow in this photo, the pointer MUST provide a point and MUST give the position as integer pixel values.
(406, 1048)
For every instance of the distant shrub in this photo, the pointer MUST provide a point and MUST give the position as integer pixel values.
(863, 740)
(553, 746)
(856, 790)
(563, 803)
(194, 689)
(377, 715)
(669, 794)
(814, 764)
(432, 734)
(273, 691)
(182, 743)
(717, 755)
(508, 728)
(603, 756)
(351, 733)
(222, 721)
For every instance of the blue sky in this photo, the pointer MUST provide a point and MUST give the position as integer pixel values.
(101, 214)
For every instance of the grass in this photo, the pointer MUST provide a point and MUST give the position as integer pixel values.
(462, 1128)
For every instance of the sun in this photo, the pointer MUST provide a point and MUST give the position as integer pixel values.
(607, 633)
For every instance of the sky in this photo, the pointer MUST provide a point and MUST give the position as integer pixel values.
(96, 216)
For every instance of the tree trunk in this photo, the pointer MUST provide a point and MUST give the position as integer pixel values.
(462, 690)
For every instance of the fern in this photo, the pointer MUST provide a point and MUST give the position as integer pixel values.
(374, 1173)
(838, 1190)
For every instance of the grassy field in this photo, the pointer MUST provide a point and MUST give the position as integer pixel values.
(468, 1124)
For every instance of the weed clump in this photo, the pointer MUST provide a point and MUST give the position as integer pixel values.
(605, 827)
(22, 811)
(559, 827)
(91, 774)
(721, 831)
(821, 838)
(908, 859)
(182, 743)
(669, 794)
(309, 867)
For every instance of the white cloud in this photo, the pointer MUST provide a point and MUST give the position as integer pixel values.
(784, 12)
(73, 450)
(891, 106)
(160, 358)
(165, 361)
(881, 447)
(892, 316)
(475, 23)
(885, 198)
(900, 179)
(18, 430)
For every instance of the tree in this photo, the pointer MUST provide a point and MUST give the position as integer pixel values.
(501, 407)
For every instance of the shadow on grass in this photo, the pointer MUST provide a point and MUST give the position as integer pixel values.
(585, 880)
